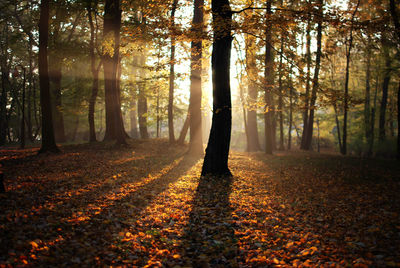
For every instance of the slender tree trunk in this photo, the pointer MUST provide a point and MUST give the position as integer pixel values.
(142, 102)
(3, 104)
(158, 112)
(195, 122)
(315, 83)
(337, 126)
(185, 128)
(29, 130)
(253, 143)
(373, 112)
(216, 158)
(112, 24)
(48, 140)
(290, 113)
(269, 83)
(367, 103)
(172, 76)
(22, 134)
(133, 116)
(55, 76)
(346, 84)
(95, 74)
(308, 80)
(280, 98)
(396, 21)
(385, 89)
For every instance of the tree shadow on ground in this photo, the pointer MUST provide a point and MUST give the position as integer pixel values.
(89, 234)
(208, 239)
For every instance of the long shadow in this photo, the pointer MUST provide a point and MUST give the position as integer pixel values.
(93, 241)
(209, 239)
(88, 184)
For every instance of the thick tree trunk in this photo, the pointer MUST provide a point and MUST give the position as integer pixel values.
(367, 102)
(171, 132)
(216, 158)
(195, 122)
(315, 84)
(385, 89)
(112, 25)
(269, 83)
(48, 140)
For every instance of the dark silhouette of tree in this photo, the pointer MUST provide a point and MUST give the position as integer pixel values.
(112, 24)
(269, 83)
(315, 83)
(396, 21)
(48, 141)
(196, 141)
(216, 158)
(91, 7)
(172, 77)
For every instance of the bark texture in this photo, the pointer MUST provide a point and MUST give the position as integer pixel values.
(216, 158)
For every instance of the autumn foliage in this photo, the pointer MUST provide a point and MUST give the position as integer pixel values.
(145, 205)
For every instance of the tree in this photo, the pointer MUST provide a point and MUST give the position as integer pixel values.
(111, 34)
(343, 149)
(216, 158)
(396, 21)
(91, 7)
(253, 143)
(315, 83)
(269, 83)
(196, 141)
(48, 140)
(172, 77)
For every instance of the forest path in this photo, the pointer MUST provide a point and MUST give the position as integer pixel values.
(145, 205)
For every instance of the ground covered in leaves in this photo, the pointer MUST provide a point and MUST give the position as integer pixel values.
(146, 205)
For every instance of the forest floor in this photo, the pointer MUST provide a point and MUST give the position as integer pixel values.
(146, 205)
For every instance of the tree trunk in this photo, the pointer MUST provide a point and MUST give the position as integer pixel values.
(22, 131)
(315, 84)
(142, 102)
(172, 77)
(396, 20)
(367, 103)
(280, 98)
(308, 80)
(55, 76)
(95, 74)
(48, 140)
(185, 128)
(30, 99)
(3, 103)
(346, 84)
(133, 116)
(269, 83)
(195, 122)
(112, 24)
(253, 143)
(216, 158)
(385, 89)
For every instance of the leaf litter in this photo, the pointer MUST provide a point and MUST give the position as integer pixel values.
(145, 205)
